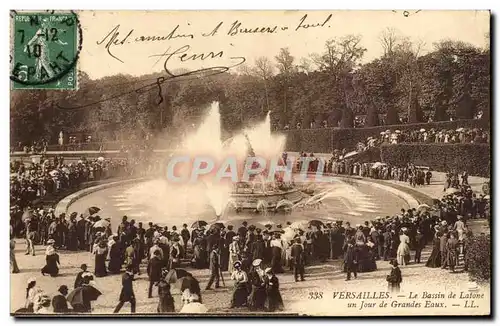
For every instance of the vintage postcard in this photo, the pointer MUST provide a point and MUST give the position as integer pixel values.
(232, 163)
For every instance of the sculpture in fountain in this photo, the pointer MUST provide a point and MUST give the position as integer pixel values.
(260, 192)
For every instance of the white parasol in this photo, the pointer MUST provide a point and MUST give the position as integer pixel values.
(422, 130)
(101, 224)
(377, 164)
(100, 158)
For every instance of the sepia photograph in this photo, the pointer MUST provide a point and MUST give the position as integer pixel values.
(278, 163)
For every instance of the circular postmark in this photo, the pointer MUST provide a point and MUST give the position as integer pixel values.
(45, 50)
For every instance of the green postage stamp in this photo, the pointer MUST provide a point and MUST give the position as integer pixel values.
(44, 50)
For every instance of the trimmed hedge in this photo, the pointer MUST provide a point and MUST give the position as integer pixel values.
(473, 158)
(478, 258)
(326, 140)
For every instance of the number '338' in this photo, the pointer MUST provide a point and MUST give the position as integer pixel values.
(315, 295)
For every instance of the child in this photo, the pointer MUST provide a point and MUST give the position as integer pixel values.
(394, 279)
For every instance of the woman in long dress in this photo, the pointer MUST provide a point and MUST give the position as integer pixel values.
(403, 252)
(257, 298)
(51, 259)
(434, 260)
(240, 293)
(31, 295)
(274, 299)
(234, 254)
(101, 252)
(115, 257)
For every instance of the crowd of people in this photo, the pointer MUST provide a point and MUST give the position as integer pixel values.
(254, 255)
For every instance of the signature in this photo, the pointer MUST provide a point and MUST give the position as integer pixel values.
(113, 38)
(180, 55)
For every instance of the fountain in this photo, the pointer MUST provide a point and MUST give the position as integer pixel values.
(258, 193)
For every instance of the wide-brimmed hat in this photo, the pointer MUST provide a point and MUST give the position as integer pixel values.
(31, 279)
(237, 264)
(257, 262)
(51, 241)
(236, 237)
(268, 270)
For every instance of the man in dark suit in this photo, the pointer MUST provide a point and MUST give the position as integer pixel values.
(185, 237)
(297, 259)
(127, 293)
(387, 243)
(59, 302)
(242, 230)
(351, 259)
(214, 268)
(419, 245)
(258, 248)
(155, 266)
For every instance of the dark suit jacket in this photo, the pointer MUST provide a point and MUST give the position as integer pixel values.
(127, 292)
(258, 249)
(350, 255)
(419, 241)
(214, 261)
(297, 254)
(155, 266)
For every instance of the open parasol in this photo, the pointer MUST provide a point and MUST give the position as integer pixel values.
(198, 224)
(315, 223)
(176, 274)
(101, 224)
(217, 225)
(422, 207)
(83, 294)
(91, 211)
(377, 164)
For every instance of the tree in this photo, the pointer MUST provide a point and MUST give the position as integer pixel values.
(415, 114)
(285, 62)
(440, 113)
(465, 107)
(372, 118)
(264, 70)
(341, 55)
(347, 118)
(392, 117)
(389, 39)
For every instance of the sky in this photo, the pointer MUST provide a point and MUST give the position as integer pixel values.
(120, 42)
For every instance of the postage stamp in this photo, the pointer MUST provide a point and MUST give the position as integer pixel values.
(45, 49)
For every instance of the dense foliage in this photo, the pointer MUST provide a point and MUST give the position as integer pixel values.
(451, 80)
(478, 257)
